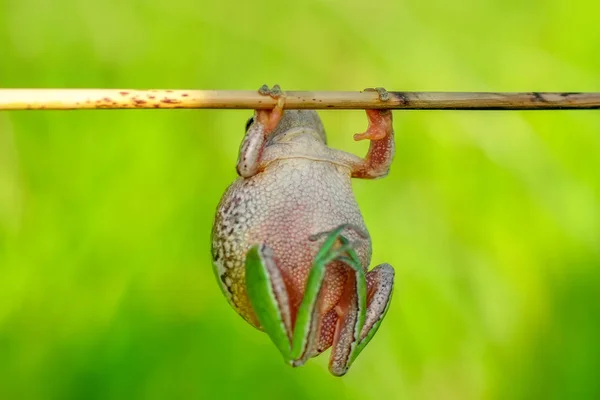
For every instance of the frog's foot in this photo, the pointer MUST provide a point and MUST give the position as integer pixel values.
(380, 125)
(270, 118)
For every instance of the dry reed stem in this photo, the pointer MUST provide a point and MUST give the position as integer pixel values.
(80, 99)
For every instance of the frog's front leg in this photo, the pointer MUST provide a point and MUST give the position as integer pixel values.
(259, 126)
(380, 132)
(295, 334)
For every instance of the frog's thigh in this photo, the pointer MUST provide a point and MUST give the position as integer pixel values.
(268, 296)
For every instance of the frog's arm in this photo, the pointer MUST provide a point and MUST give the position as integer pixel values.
(379, 157)
(253, 145)
(378, 160)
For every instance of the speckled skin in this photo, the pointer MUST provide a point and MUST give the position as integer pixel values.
(293, 186)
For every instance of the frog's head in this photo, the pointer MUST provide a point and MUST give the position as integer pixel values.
(296, 123)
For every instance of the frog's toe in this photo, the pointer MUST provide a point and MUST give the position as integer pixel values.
(264, 90)
(274, 92)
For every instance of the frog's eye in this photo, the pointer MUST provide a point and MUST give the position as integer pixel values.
(249, 122)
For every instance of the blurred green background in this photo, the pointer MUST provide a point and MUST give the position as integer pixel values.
(491, 219)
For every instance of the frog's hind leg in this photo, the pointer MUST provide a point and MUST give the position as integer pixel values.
(310, 317)
(379, 282)
(269, 297)
(380, 286)
(358, 322)
(299, 340)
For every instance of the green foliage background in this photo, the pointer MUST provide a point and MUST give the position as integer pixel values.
(491, 219)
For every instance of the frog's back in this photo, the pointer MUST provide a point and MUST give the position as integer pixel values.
(282, 207)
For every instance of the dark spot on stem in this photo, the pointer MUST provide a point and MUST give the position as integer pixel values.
(538, 97)
(401, 97)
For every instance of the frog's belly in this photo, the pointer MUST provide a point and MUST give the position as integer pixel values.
(282, 208)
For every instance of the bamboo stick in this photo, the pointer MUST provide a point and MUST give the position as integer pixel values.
(79, 99)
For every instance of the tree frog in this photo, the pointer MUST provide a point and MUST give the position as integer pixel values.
(290, 248)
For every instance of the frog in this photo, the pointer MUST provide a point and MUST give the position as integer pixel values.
(290, 248)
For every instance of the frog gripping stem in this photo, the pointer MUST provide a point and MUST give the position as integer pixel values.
(290, 247)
